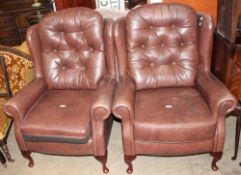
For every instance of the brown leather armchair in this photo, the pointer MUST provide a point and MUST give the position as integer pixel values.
(66, 109)
(167, 98)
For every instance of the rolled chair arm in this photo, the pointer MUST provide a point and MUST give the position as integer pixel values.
(217, 96)
(124, 100)
(124, 108)
(18, 106)
(100, 111)
(101, 107)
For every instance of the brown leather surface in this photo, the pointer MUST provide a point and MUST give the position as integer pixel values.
(72, 49)
(205, 40)
(173, 149)
(66, 109)
(48, 116)
(162, 45)
(67, 149)
(166, 109)
(32, 38)
(175, 115)
(18, 107)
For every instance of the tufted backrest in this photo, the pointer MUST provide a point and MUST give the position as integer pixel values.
(162, 45)
(72, 49)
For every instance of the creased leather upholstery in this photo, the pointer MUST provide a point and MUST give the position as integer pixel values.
(162, 46)
(66, 108)
(167, 98)
(194, 123)
(73, 44)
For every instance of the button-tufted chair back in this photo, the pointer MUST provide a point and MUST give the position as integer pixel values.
(162, 45)
(72, 46)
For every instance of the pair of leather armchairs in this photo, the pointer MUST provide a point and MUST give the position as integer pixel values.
(160, 85)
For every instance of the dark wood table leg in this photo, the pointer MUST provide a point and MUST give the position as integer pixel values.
(237, 135)
(2, 159)
(7, 153)
(237, 113)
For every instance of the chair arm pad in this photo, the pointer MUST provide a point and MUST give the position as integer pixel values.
(124, 100)
(217, 96)
(104, 98)
(20, 104)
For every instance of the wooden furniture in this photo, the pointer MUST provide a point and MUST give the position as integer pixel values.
(237, 113)
(19, 69)
(63, 4)
(13, 19)
(133, 3)
(228, 12)
(226, 62)
(3, 159)
(7, 93)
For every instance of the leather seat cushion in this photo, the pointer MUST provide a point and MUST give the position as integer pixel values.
(60, 116)
(172, 115)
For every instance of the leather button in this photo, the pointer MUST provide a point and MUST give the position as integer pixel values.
(62, 105)
(152, 64)
(91, 49)
(168, 106)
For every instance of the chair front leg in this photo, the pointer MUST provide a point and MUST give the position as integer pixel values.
(103, 160)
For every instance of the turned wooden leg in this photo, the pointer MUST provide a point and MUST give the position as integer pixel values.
(216, 157)
(7, 153)
(128, 160)
(237, 135)
(26, 154)
(103, 160)
(3, 160)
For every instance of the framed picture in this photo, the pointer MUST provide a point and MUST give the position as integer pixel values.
(111, 4)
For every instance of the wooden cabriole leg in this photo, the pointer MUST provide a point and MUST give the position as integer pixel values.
(26, 154)
(3, 160)
(216, 157)
(128, 160)
(7, 153)
(237, 135)
(103, 160)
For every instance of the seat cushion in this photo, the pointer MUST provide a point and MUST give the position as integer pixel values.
(172, 115)
(60, 116)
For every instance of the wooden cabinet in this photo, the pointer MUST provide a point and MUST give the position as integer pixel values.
(226, 62)
(63, 4)
(228, 12)
(13, 19)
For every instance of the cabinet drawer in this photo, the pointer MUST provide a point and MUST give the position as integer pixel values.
(10, 41)
(7, 33)
(7, 21)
